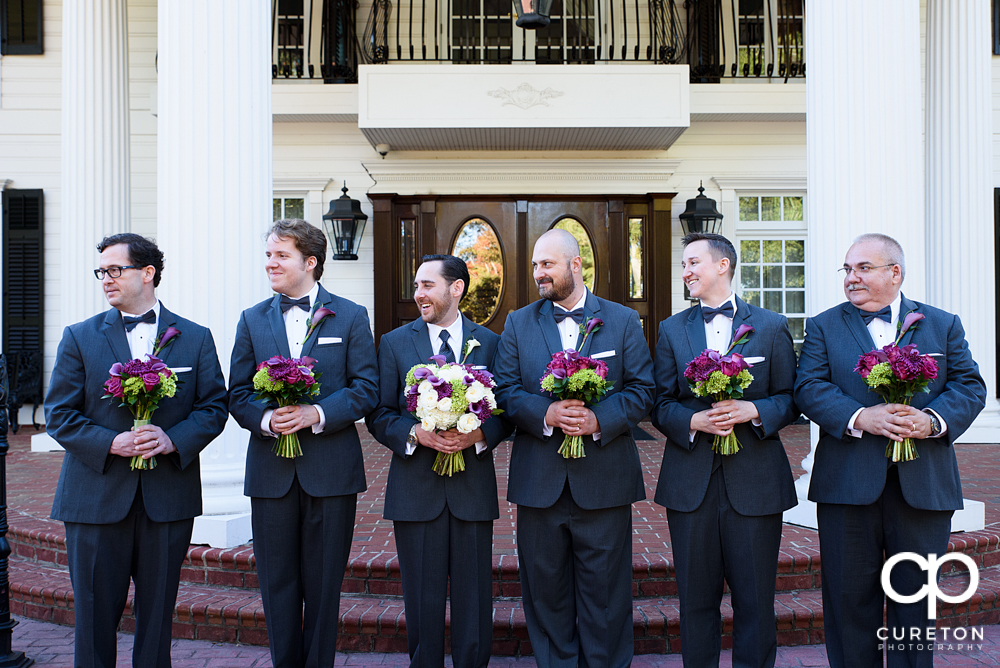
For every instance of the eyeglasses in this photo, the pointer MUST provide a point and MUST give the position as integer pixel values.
(861, 270)
(113, 272)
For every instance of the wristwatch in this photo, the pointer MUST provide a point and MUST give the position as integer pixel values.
(412, 438)
(935, 424)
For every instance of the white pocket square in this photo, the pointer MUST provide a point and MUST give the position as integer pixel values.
(606, 353)
(753, 360)
(479, 368)
(935, 354)
(327, 340)
(180, 369)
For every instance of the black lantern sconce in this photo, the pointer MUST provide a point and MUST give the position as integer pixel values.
(344, 224)
(700, 215)
(532, 14)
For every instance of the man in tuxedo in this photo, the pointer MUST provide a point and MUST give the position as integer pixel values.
(724, 510)
(443, 524)
(123, 523)
(574, 516)
(303, 507)
(870, 508)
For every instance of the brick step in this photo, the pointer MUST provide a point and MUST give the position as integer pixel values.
(377, 623)
(377, 573)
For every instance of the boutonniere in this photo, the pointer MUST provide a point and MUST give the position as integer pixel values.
(588, 328)
(164, 338)
(470, 345)
(315, 318)
(908, 321)
(740, 336)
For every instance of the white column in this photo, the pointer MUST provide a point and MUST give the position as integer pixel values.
(95, 146)
(214, 201)
(864, 160)
(959, 184)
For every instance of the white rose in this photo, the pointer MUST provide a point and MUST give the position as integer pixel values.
(425, 387)
(427, 401)
(452, 373)
(444, 405)
(427, 424)
(490, 398)
(468, 423)
(475, 392)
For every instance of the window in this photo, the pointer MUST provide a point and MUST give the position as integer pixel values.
(23, 270)
(20, 27)
(570, 36)
(289, 207)
(759, 46)
(772, 265)
(290, 33)
(481, 31)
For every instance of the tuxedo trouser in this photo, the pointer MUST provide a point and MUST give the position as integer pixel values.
(301, 544)
(576, 583)
(429, 553)
(712, 544)
(102, 559)
(854, 543)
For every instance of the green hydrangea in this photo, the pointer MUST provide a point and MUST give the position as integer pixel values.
(410, 378)
(132, 386)
(262, 382)
(459, 404)
(744, 379)
(881, 374)
(580, 379)
(168, 385)
(719, 383)
(549, 383)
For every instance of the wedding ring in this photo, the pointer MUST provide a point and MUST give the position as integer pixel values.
(156, 442)
(728, 416)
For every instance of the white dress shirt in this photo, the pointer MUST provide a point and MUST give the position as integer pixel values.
(455, 343)
(883, 333)
(569, 333)
(142, 336)
(295, 329)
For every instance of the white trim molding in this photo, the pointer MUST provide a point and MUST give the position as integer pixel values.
(765, 182)
(284, 184)
(529, 176)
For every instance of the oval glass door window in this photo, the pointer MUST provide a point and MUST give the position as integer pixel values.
(477, 243)
(579, 232)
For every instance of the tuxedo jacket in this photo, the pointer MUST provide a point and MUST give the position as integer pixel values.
(852, 470)
(414, 492)
(610, 474)
(758, 478)
(331, 463)
(96, 487)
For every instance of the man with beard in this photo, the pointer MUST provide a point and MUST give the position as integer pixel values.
(574, 516)
(870, 508)
(443, 524)
(303, 507)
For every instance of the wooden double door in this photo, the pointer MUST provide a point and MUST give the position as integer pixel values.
(625, 245)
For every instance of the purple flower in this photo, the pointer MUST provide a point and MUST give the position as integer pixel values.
(114, 387)
(929, 366)
(866, 363)
(116, 369)
(911, 319)
(559, 373)
(164, 338)
(150, 380)
(437, 359)
(315, 319)
(422, 373)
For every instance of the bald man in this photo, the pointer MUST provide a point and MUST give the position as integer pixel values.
(574, 516)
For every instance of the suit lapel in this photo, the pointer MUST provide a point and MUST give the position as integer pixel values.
(167, 319)
(741, 317)
(905, 306)
(591, 309)
(548, 326)
(857, 326)
(323, 298)
(468, 332)
(696, 331)
(114, 329)
(278, 326)
(421, 341)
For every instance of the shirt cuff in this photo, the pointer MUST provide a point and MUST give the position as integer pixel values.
(856, 433)
(944, 425)
(410, 449)
(691, 435)
(481, 447)
(596, 436)
(265, 424)
(546, 429)
(321, 425)
(756, 422)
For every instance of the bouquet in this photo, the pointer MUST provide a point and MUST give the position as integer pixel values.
(896, 374)
(721, 377)
(288, 382)
(140, 385)
(450, 396)
(570, 375)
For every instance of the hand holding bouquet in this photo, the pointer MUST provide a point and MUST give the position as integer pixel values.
(450, 396)
(140, 385)
(570, 375)
(721, 377)
(288, 382)
(896, 374)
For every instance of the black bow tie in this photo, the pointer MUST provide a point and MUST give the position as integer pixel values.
(287, 303)
(884, 314)
(561, 314)
(131, 321)
(726, 309)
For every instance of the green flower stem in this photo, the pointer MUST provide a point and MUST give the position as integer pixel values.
(449, 463)
(572, 447)
(138, 463)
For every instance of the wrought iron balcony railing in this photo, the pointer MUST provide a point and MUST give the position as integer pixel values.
(733, 39)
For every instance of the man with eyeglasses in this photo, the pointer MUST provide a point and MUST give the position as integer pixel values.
(870, 508)
(124, 524)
